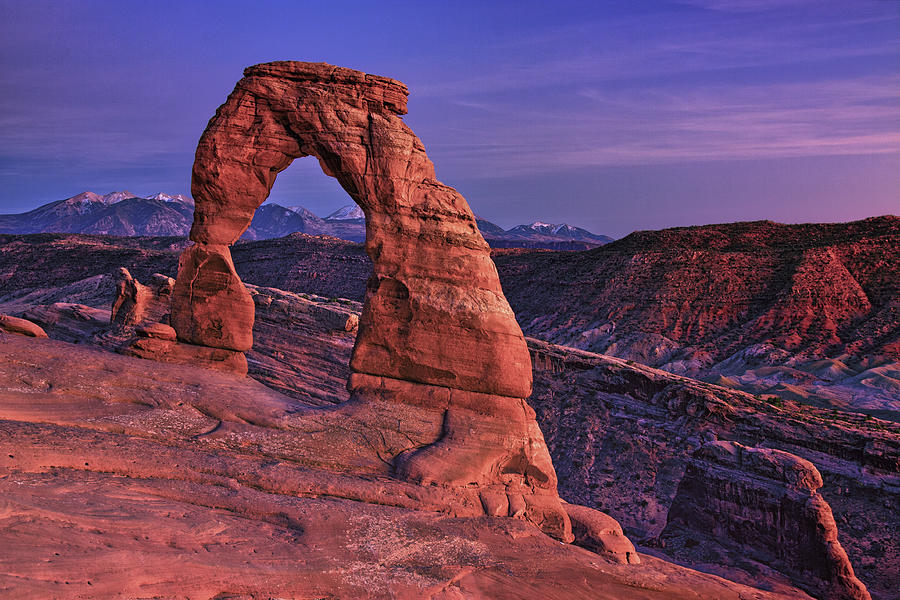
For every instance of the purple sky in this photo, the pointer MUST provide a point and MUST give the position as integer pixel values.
(614, 116)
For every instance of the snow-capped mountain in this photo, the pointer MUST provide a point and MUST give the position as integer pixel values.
(561, 230)
(122, 213)
(351, 212)
(116, 213)
(167, 198)
(113, 197)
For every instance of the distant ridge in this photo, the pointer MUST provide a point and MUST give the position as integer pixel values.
(122, 213)
(117, 213)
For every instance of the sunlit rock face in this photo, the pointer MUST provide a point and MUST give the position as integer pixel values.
(434, 312)
(436, 330)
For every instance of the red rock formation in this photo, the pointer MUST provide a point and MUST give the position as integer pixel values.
(158, 331)
(137, 303)
(210, 305)
(21, 327)
(435, 330)
(765, 501)
(140, 314)
(435, 312)
(599, 532)
(158, 348)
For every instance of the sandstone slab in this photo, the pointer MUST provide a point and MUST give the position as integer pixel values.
(163, 349)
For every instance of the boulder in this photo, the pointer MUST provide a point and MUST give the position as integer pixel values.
(600, 533)
(137, 303)
(21, 327)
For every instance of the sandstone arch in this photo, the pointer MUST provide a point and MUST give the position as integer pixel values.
(436, 330)
(434, 312)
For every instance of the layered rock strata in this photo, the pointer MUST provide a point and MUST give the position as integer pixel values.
(435, 330)
(765, 501)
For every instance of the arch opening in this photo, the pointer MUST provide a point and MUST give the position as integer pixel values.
(304, 183)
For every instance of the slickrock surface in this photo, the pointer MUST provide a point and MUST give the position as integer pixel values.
(764, 502)
(122, 477)
(69, 321)
(620, 434)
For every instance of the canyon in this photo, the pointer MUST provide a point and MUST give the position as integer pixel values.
(701, 416)
(621, 435)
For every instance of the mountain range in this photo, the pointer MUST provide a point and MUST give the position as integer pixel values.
(125, 214)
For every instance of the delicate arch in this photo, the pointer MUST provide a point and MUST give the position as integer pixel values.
(434, 310)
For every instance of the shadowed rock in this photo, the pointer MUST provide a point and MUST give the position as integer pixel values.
(765, 500)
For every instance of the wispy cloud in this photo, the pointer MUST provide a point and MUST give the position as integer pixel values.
(87, 90)
(648, 89)
(713, 122)
(744, 6)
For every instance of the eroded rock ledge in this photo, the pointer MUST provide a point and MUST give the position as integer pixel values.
(765, 501)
